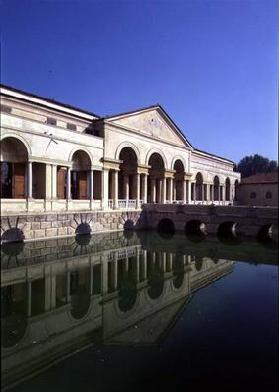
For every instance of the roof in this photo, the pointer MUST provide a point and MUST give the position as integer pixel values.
(261, 178)
(213, 155)
(53, 101)
(142, 109)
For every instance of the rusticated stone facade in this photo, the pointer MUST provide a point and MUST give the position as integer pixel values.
(41, 226)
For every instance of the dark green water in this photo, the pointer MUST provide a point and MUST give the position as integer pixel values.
(139, 311)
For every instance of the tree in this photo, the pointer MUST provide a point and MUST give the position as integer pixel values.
(253, 164)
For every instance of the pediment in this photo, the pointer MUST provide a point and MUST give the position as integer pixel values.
(150, 329)
(153, 123)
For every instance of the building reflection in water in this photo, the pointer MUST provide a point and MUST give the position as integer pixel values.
(58, 296)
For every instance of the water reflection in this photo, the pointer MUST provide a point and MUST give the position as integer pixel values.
(58, 296)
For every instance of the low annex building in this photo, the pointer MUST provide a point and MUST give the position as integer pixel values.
(260, 189)
(55, 158)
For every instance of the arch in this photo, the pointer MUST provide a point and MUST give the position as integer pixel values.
(127, 145)
(228, 233)
(268, 234)
(178, 158)
(216, 188)
(20, 138)
(156, 151)
(166, 228)
(84, 149)
(178, 271)
(195, 228)
(14, 158)
(199, 186)
(228, 189)
(178, 184)
(155, 181)
(127, 176)
(80, 174)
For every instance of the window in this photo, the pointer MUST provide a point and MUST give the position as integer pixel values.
(51, 121)
(268, 195)
(253, 195)
(72, 127)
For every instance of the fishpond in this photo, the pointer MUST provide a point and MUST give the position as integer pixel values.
(139, 311)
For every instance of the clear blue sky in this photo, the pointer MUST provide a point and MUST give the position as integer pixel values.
(211, 64)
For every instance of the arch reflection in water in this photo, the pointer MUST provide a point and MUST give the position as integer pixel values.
(97, 292)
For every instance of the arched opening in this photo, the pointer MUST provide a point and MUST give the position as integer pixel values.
(228, 189)
(236, 190)
(198, 263)
(155, 181)
(195, 227)
(178, 271)
(155, 274)
(14, 157)
(80, 175)
(127, 176)
(178, 186)
(13, 235)
(268, 234)
(14, 314)
(166, 228)
(216, 189)
(80, 293)
(228, 233)
(199, 187)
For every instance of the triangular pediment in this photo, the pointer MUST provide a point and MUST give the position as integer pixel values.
(154, 123)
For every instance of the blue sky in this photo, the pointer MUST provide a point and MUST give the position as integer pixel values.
(212, 64)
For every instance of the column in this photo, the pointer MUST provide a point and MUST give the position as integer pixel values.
(174, 190)
(188, 192)
(115, 189)
(145, 188)
(54, 182)
(30, 180)
(115, 271)
(91, 278)
(171, 190)
(91, 185)
(48, 181)
(126, 187)
(202, 192)
(212, 193)
(69, 183)
(105, 185)
(164, 193)
(29, 298)
(153, 190)
(160, 191)
(207, 192)
(144, 265)
(68, 295)
(104, 274)
(138, 190)
(194, 192)
(223, 188)
(184, 191)
(138, 265)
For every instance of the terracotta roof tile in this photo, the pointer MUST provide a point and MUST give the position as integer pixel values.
(261, 178)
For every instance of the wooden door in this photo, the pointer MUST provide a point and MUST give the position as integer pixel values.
(82, 185)
(19, 180)
(61, 175)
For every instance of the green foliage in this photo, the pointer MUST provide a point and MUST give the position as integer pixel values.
(253, 164)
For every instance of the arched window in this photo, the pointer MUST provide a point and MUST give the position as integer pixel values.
(253, 195)
(268, 195)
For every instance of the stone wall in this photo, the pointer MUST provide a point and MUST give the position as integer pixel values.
(41, 226)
